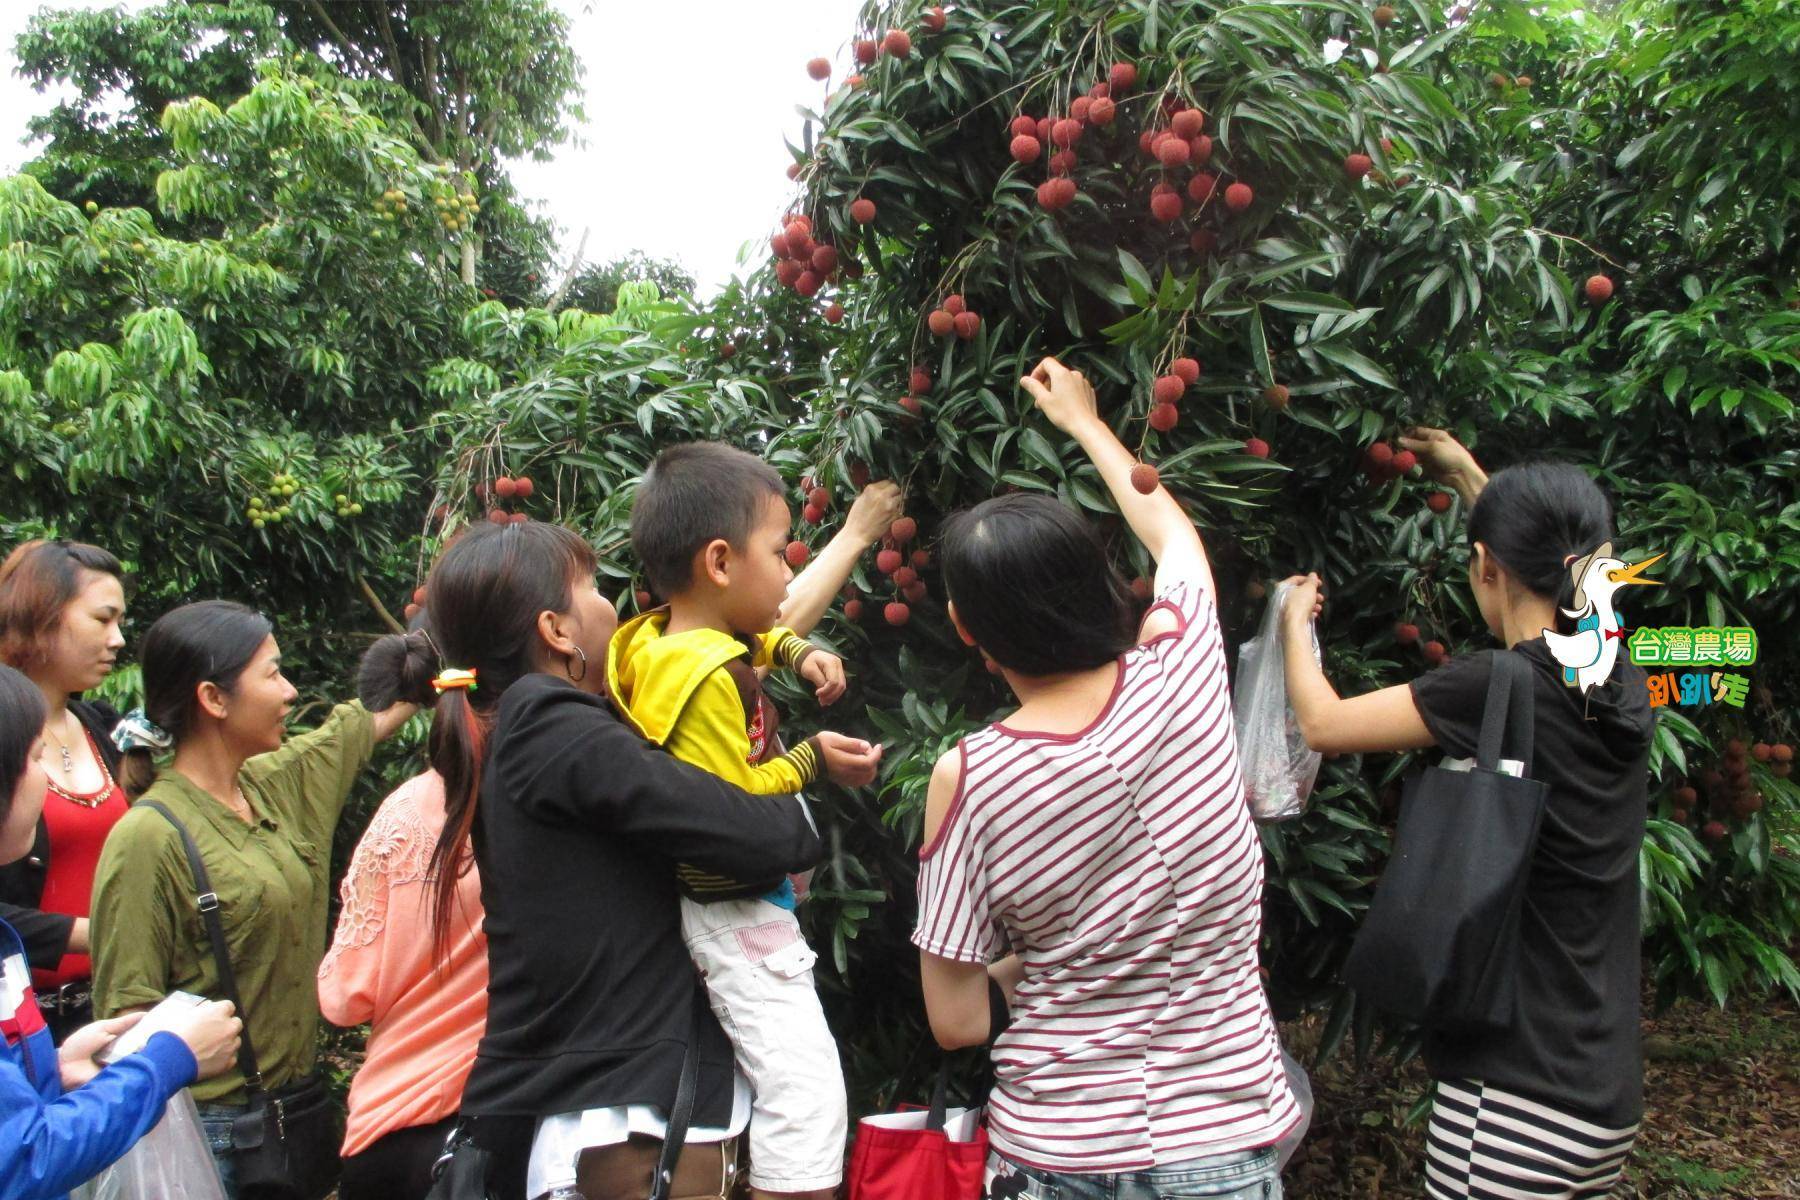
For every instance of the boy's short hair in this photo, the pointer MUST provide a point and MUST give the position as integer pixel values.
(692, 494)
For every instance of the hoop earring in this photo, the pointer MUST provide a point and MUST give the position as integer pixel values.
(573, 677)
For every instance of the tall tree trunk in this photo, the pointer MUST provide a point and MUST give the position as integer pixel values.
(468, 259)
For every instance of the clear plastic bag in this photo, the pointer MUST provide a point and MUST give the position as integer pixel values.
(171, 1162)
(1278, 766)
(1301, 1086)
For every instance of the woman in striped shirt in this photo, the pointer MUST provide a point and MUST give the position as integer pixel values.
(1093, 853)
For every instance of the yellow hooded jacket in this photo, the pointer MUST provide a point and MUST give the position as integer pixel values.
(696, 695)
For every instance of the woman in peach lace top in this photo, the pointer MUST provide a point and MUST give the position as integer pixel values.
(426, 1013)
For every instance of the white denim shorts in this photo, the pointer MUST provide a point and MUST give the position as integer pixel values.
(759, 977)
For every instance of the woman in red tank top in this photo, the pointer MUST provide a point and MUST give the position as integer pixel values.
(61, 605)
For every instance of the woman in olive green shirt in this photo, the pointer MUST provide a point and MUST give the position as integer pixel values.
(262, 814)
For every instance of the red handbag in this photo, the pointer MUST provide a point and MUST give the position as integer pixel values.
(936, 1153)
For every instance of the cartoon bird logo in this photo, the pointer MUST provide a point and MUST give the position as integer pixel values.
(1588, 654)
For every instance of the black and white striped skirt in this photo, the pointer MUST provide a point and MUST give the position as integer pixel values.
(1493, 1145)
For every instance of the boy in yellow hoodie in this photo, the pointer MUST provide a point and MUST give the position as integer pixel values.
(711, 527)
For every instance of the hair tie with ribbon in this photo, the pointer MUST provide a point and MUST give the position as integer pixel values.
(135, 731)
(454, 679)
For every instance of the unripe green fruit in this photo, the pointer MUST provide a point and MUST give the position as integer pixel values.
(356, 510)
(258, 523)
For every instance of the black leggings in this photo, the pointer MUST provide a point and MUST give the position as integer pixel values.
(397, 1166)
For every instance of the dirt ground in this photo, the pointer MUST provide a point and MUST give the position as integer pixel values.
(1722, 1119)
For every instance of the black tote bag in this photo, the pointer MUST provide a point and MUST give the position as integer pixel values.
(1440, 943)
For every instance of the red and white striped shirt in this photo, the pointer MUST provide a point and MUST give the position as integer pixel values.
(1122, 865)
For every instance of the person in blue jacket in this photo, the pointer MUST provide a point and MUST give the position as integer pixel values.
(64, 1117)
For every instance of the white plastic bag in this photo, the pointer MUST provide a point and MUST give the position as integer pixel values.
(171, 1162)
(1278, 767)
(1301, 1086)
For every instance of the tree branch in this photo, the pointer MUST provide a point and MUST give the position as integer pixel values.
(568, 279)
(337, 35)
(387, 618)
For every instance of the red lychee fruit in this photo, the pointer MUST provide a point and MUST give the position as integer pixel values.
(1044, 126)
(1686, 796)
(818, 496)
(520, 518)
(862, 211)
(954, 304)
(797, 553)
(898, 43)
(1186, 369)
(915, 591)
(866, 51)
(808, 284)
(853, 610)
(505, 487)
(921, 559)
(778, 246)
(1256, 448)
(1056, 194)
(1078, 108)
(1121, 77)
(1062, 162)
(1714, 831)
(1168, 389)
(854, 81)
(1380, 455)
(1200, 187)
(410, 611)
(967, 325)
(523, 487)
(418, 595)
(1435, 654)
(1599, 289)
(1145, 479)
(1203, 148)
(1023, 126)
(920, 381)
(1102, 111)
(498, 516)
(1384, 15)
(1164, 417)
(1067, 131)
(912, 404)
(1358, 165)
(934, 19)
(896, 613)
(1204, 241)
(834, 312)
(812, 514)
(1438, 502)
(1173, 152)
(1167, 206)
(1276, 396)
(824, 259)
(941, 323)
(1026, 148)
(819, 68)
(1147, 142)
(903, 530)
(793, 170)
(1187, 124)
(1238, 197)
(787, 272)
(904, 576)
(887, 561)
(1404, 461)
(1100, 91)
(1781, 752)
(1406, 633)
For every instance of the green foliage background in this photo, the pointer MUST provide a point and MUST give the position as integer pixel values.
(282, 275)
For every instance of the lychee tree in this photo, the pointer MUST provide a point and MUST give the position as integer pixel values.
(1349, 225)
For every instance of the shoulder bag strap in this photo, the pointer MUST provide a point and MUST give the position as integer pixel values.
(675, 1136)
(1493, 715)
(208, 902)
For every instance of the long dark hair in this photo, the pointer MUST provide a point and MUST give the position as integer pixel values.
(21, 724)
(38, 580)
(211, 641)
(1533, 517)
(482, 598)
(1033, 585)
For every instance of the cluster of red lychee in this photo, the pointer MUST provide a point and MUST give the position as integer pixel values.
(805, 265)
(1407, 634)
(1167, 391)
(506, 487)
(902, 569)
(1730, 788)
(954, 316)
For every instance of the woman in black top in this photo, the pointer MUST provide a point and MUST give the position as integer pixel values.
(1550, 1104)
(61, 605)
(575, 824)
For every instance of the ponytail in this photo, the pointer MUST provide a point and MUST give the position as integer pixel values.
(483, 599)
(1536, 519)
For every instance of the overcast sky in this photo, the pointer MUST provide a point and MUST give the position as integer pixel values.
(687, 103)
